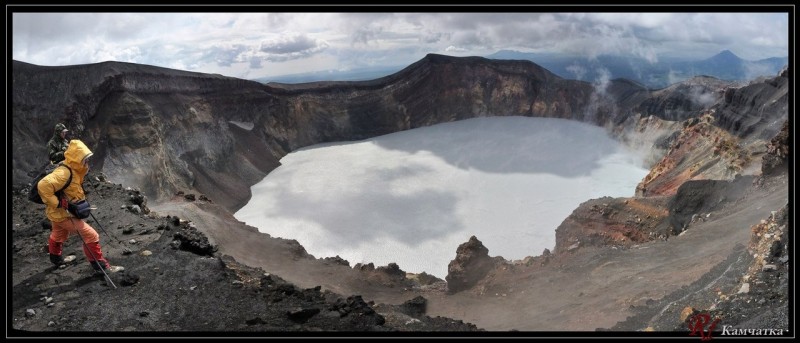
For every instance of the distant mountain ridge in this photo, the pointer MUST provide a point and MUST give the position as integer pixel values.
(357, 74)
(724, 65)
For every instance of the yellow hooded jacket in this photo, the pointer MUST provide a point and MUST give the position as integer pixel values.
(76, 152)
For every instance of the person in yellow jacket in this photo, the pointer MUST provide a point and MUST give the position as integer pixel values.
(76, 157)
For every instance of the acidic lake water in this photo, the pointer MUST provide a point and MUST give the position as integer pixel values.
(412, 197)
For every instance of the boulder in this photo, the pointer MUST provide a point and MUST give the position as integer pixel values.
(471, 264)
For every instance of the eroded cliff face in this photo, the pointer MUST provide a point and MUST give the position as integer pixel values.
(777, 154)
(727, 139)
(620, 222)
(149, 127)
(755, 111)
(165, 130)
(167, 142)
(701, 150)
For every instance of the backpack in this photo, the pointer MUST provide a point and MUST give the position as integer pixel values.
(33, 193)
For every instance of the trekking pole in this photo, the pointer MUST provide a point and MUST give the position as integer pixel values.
(101, 226)
(108, 278)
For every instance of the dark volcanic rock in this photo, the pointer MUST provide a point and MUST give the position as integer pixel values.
(756, 110)
(471, 264)
(128, 279)
(392, 269)
(390, 275)
(193, 240)
(777, 154)
(358, 312)
(613, 222)
(701, 197)
(337, 260)
(302, 315)
(170, 290)
(415, 307)
(139, 199)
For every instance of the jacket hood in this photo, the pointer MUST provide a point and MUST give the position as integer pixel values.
(76, 152)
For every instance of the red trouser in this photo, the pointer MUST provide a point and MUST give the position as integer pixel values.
(61, 230)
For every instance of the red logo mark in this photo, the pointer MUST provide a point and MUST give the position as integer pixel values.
(697, 324)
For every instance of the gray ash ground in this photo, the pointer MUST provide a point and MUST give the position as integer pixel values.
(174, 281)
(749, 290)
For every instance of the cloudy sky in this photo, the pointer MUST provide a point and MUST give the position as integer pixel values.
(257, 45)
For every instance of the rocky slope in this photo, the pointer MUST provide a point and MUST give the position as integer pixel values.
(701, 150)
(632, 286)
(174, 280)
(757, 110)
(194, 144)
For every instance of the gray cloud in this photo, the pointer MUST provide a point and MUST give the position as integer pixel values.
(290, 47)
(226, 56)
(700, 97)
(577, 70)
(365, 35)
(255, 63)
(430, 37)
(453, 48)
(233, 43)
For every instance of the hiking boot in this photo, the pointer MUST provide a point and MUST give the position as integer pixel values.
(105, 266)
(114, 269)
(59, 260)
